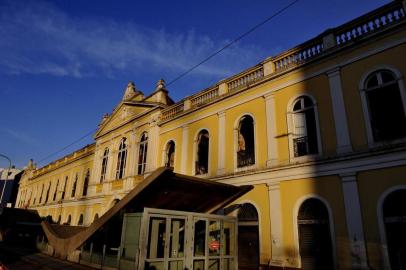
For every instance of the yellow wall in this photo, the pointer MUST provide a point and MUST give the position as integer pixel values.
(327, 188)
(372, 184)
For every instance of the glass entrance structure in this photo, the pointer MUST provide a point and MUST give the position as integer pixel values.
(174, 240)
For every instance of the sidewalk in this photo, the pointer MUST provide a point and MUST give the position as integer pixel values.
(16, 258)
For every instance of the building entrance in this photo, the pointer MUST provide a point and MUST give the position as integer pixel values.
(163, 239)
(314, 236)
(248, 237)
(395, 226)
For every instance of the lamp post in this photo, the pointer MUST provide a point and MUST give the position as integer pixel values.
(5, 182)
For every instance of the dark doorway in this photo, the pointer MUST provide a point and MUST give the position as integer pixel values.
(248, 237)
(314, 236)
(170, 154)
(394, 213)
(202, 157)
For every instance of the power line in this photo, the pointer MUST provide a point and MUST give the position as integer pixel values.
(252, 29)
(69, 145)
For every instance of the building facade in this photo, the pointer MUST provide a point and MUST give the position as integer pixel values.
(9, 180)
(318, 130)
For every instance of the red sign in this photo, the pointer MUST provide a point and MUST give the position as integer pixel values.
(214, 245)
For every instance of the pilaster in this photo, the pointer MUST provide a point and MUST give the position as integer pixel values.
(354, 221)
(272, 150)
(152, 152)
(221, 166)
(339, 112)
(185, 138)
(275, 212)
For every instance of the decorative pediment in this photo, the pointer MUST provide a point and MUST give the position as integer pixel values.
(124, 112)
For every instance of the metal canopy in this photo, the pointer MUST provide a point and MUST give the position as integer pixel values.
(162, 189)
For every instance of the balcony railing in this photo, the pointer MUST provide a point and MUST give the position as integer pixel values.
(172, 111)
(337, 38)
(371, 23)
(299, 55)
(246, 79)
(205, 97)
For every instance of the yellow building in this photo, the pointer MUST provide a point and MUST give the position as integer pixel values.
(318, 130)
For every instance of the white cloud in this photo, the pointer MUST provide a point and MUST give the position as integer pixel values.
(38, 38)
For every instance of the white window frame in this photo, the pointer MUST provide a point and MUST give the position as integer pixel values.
(291, 136)
(144, 165)
(367, 119)
(236, 126)
(164, 153)
(103, 172)
(195, 139)
(125, 152)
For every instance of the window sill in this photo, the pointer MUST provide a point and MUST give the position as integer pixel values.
(386, 144)
(305, 158)
(206, 175)
(245, 168)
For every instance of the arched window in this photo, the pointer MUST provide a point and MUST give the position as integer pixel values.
(202, 153)
(142, 154)
(246, 142)
(35, 195)
(104, 165)
(96, 217)
(315, 245)
(80, 222)
(394, 215)
(170, 154)
(42, 192)
(248, 237)
(386, 106)
(122, 158)
(59, 219)
(304, 132)
(86, 183)
(48, 189)
(75, 182)
(64, 188)
(69, 220)
(56, 190)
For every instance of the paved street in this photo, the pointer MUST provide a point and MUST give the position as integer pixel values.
(23, 259)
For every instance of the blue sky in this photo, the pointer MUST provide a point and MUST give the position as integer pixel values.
(65, 63)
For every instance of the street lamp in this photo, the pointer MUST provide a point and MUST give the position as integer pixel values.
(5, 182)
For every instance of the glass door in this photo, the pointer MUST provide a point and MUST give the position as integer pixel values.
(214, 245)
(166, 243)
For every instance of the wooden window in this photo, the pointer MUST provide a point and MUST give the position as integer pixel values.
(385, 106)
(305, 141)
(104, 165)
(122, 158)
(142, 154)
(86, 183)
(75, 182)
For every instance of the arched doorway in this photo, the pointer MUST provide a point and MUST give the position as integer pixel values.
(315, 243)
(394, 215)
(248, 237)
